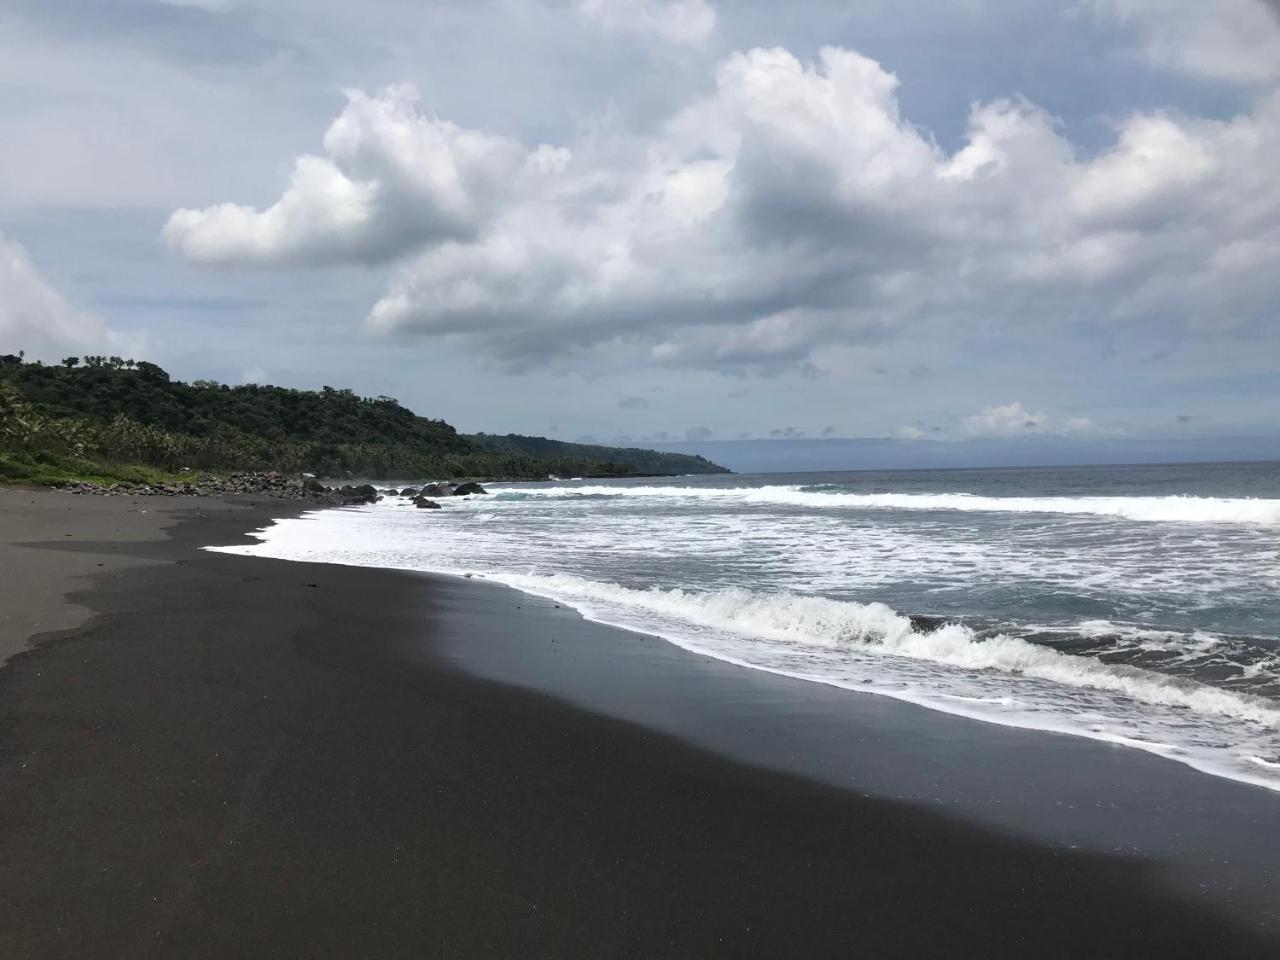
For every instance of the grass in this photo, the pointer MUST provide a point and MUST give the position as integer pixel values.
(46, 471)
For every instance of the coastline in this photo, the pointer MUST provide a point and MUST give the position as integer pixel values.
(230, 756)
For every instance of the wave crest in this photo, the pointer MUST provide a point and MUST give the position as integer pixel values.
(1168, 509)
(873, 628)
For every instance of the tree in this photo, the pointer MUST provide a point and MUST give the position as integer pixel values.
(152, 372)
(70, 362)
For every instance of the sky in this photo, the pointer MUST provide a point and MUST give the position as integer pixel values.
(665, 221)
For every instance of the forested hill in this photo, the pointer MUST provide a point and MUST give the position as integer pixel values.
(650, 462)
(110, 409)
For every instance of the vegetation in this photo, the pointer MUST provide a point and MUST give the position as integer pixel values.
(642, 462)
(110, 418)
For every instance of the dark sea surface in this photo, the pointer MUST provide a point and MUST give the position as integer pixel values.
(1137, 605)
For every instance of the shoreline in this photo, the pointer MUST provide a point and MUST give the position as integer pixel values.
(235, 756)
(1053, 730)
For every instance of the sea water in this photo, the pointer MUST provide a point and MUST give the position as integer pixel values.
(1136, 605)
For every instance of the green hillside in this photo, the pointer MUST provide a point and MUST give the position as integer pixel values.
(643, 462)
(98, 414)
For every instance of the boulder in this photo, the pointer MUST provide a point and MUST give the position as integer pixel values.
(312, 485)
(409, 492)
(361, 494)
(466, 489)
(422, 503)
(438, 490)
(923, 623)
(391, 492)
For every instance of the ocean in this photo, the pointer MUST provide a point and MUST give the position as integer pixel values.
(1135, 605)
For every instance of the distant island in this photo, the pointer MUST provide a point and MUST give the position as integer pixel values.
(107, 418)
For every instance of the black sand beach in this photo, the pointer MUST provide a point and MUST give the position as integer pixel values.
(219, 756)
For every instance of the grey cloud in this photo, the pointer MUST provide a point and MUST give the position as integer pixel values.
(633, 403)
(828, 431)
(787, 433)
(189, 33)
(697, 433)
(676, 21)
(1185, 417)
(1228, 40)
(36, 318)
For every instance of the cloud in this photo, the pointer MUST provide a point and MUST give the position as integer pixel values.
(633, 403)
(1080, 425)
(254, 375)
(792, 208)
(1014, 420)
(211, 6)
(786, 433)
(676, 21)
(36, 318)
(697, 433)
(1236, 41)
(1011, 419)
(393, 178)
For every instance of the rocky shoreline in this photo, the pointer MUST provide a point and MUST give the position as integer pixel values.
(306, 488)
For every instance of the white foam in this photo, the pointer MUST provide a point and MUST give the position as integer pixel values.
(1170, 509)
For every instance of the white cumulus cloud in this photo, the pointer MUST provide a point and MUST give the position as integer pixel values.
(792, 207)
(1010, 419)
(392, 177)
(1015, 420)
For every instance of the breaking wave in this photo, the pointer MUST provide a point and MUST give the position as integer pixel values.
(874, 628)
(1170, 509)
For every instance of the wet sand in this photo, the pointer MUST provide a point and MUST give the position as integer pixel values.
(220, 756)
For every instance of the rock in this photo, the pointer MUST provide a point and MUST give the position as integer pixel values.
(361, 494)
(409, 492)
(255, 484)
(466, 489)
(391, 492)
(923, 623)
(438, 490)
(422, 503)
